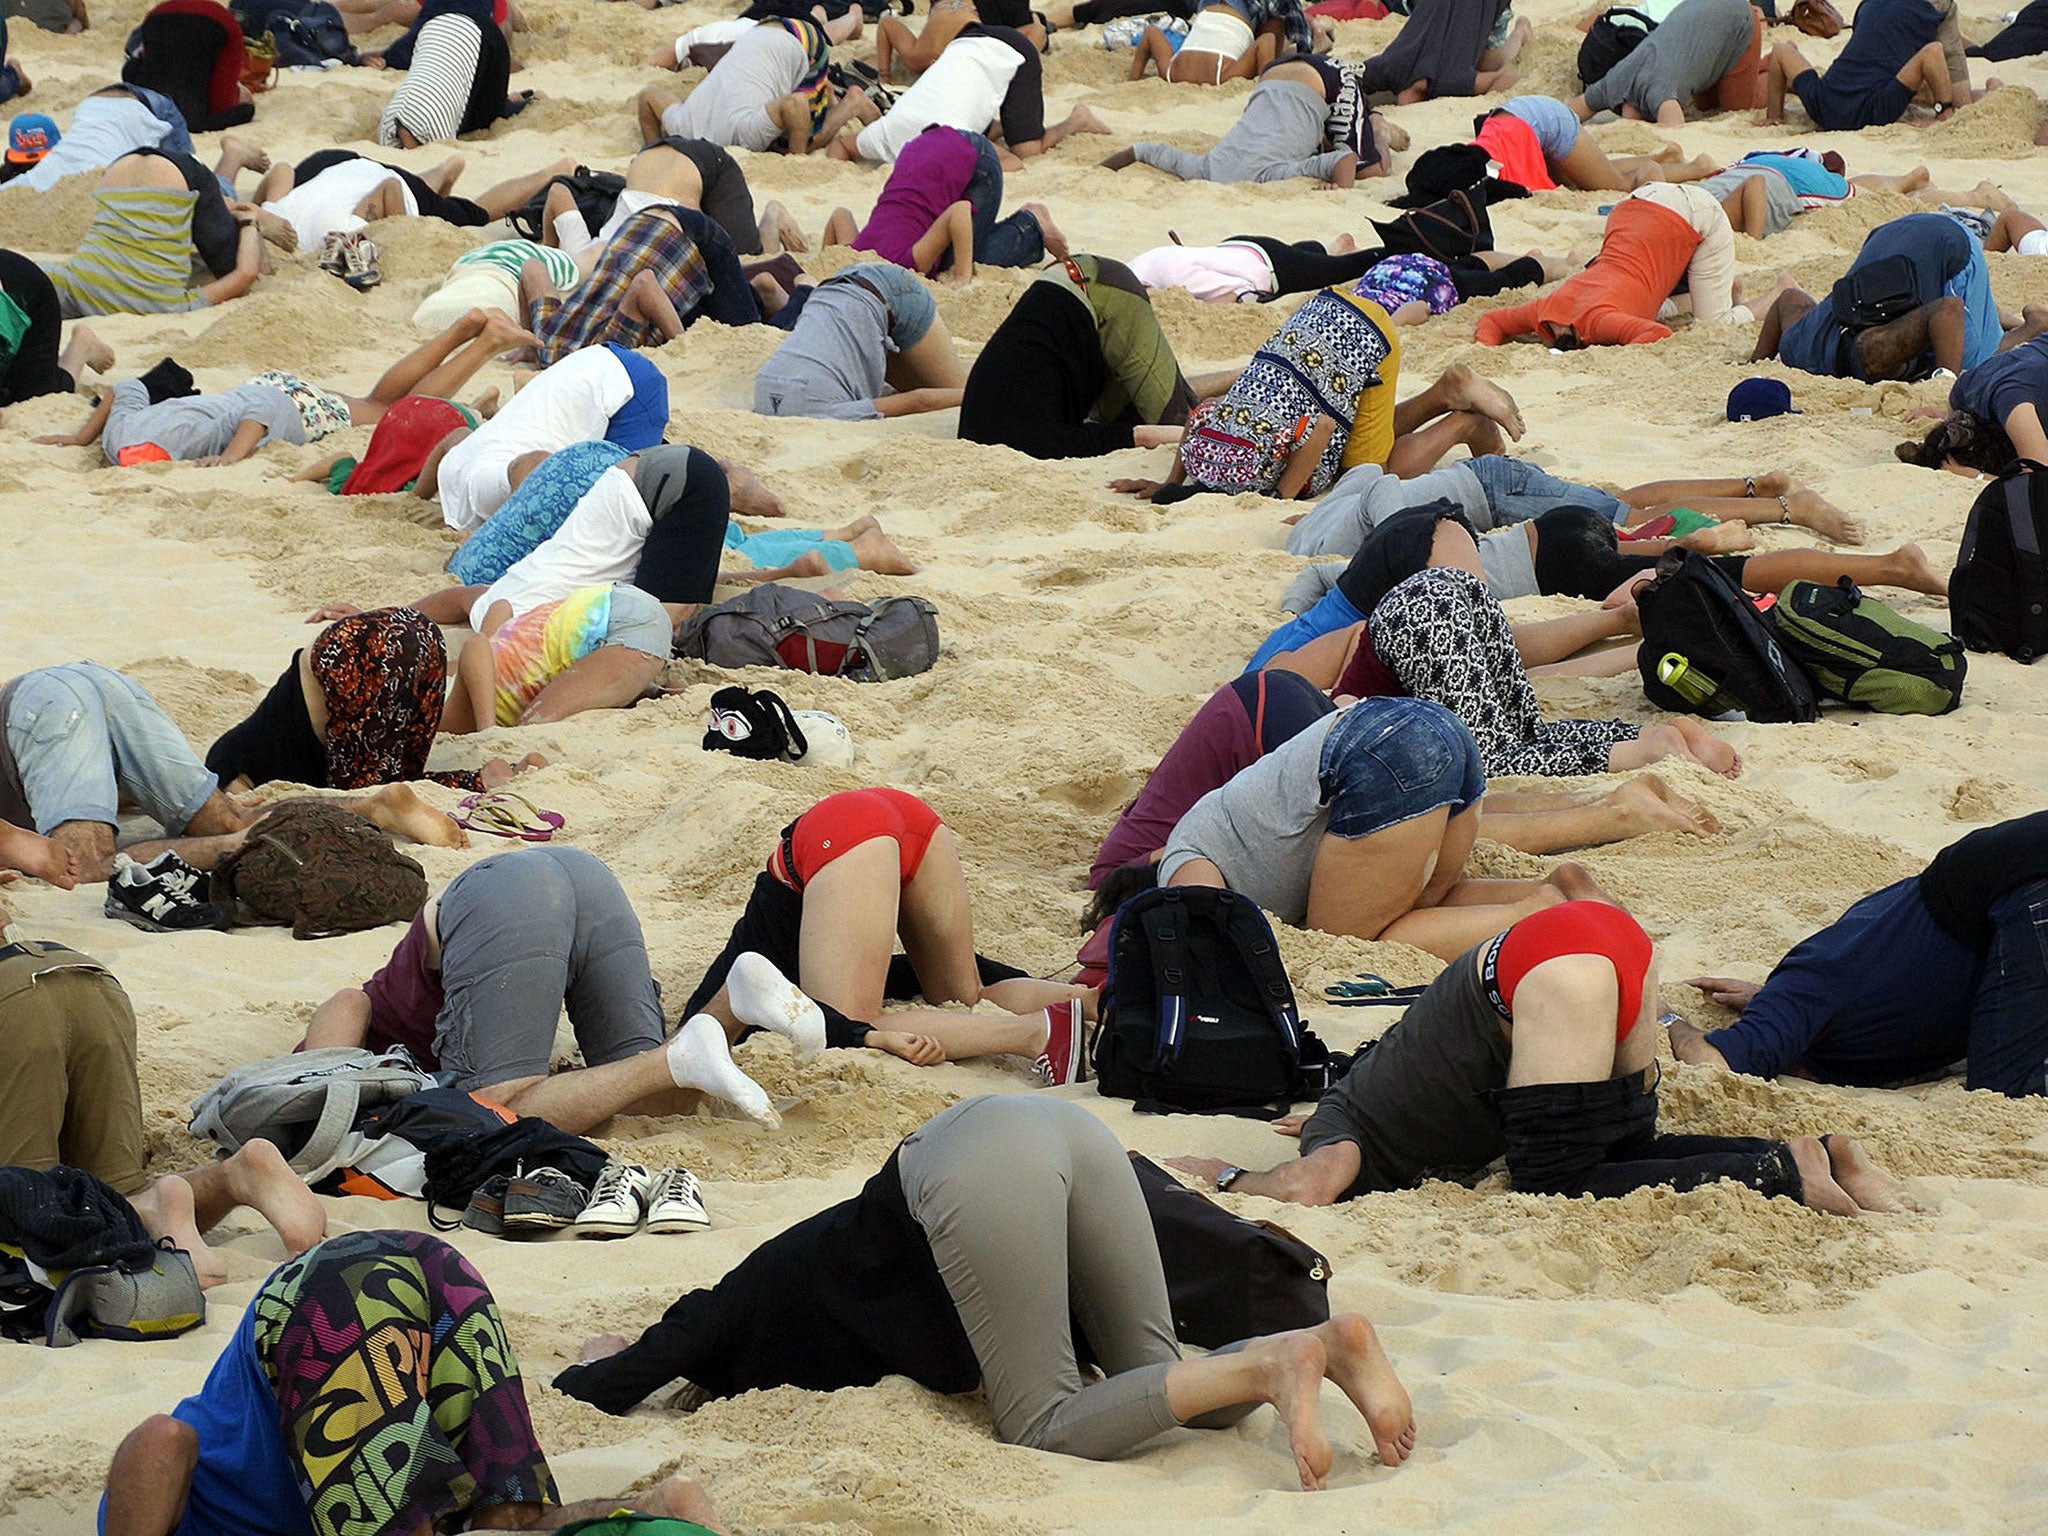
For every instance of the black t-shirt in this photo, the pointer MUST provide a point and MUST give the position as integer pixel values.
(1969, 877)
(1023, 110)
(1038, 378)
(275, 742)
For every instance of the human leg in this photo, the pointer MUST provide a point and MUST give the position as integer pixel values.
(510, 196)
(1891, 350)
(151, 1478)
(1554, 823)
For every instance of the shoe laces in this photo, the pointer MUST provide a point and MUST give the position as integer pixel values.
(610, 1183)
(676, 1182)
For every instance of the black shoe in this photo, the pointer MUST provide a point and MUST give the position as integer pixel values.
(545, 1200)
(167, 895)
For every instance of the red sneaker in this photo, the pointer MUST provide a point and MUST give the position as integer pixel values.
(1061, 1063)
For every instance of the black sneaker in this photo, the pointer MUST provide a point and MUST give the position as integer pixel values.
(545, 1200)
(166, 895)
(486, 1210)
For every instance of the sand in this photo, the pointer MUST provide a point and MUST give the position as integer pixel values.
(1708, 1363)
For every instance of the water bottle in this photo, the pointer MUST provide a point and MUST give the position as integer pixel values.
(1677, 674)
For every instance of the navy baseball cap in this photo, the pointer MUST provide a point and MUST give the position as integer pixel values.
(1756, 399)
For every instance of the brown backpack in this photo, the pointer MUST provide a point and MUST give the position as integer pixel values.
(321, 869)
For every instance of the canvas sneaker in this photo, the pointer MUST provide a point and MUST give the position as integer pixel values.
(673, 1203)
(1061, 1064)
(166, 895)
(486, 1209)
(545, 1200)
(617, 1202)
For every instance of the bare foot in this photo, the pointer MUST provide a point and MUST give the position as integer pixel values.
(877, 552)
(486, 404)
(1816, 1174)
(678, 1498)
(99, 357)
(781, 232)
(398, 809)
(1914, 572)
(1362, 1371)
(1707, 749)
(750, 497)
(1291, 1368)
(22, 84)
(38, 856)
(259, 1177)
(1577, 883)
(239, 154)
(1397, 136)
(442, 178)
(1055, 238)
(1721, 539)
(1812, 510)
(497, 773)
(502, 331)
(165, 1209)
(1663, 809)
(276, 229)
(1082, 120)
(1467, 391)
(1988, 194)
(1867, 1184)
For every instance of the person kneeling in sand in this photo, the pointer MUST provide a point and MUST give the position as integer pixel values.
(956, 1266)
(446, 1438)
(1946, 966)
(1540, 1044)
(476, 986)
(674, 173)
(68, 1094)
(869, 344)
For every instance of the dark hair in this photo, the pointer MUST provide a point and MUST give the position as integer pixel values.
(1578, 554)
(1118, 887)
(1970, 440)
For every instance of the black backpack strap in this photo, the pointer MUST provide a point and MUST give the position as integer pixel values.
(2019, 511)
(1253, 936)
(794, 744)
(1166, 935)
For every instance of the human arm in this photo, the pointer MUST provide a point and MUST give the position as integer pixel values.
(1323, 660)
(918, 1050)
(1689, 1045)
(1954, 52)
(953, 231)
(2023, 427)
(1776, 1023)
(88, 434)
(449, 606)
(319, 470)
(248, 265)
(428, 485)
(247, 436)
(1503, 325)
(1321, 1178)
(665, 57)
(915, 402)
(1548, 640)
(1301, 463)
(344, 1019)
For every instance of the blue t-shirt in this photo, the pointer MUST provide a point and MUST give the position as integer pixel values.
(1999, 385)
(1877, 997)
(531, 514)
(1947, 261)
(1807, 178)
(244, 1484)
(1887, 34)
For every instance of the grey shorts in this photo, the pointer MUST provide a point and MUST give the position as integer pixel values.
(639, 622)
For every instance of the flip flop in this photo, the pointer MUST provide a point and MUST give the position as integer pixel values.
(1369, 990)
(506, 813)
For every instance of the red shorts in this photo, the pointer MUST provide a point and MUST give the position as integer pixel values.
(1571, 928)
(839, 823)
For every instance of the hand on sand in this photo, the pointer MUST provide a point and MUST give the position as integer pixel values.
(1725, 990)
(918, 1050)
(1289, 1125)
(1143, 488)
(331, 612)
(1207, 1169)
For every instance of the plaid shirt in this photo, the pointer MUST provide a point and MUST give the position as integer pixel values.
(592, 312)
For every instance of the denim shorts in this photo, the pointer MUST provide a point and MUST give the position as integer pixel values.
(1554, 124)
(911, 306)
(1388, 761)
(83, 736)
(1518, 491)
(639, 622)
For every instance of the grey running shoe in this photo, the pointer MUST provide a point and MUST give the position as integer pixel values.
(166, 895)
(352, 257)
(545, 1200)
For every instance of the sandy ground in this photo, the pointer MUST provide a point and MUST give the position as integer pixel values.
(1710, 1362)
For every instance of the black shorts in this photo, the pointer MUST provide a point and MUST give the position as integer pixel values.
(432, 204)
(772, 926)
(1840, 111)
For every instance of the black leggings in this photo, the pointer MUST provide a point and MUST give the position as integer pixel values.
(1579, 555)
(33, 369)
(2027, 35)
(215, 235)
(679, 561)
(432, 204)
(1474, 279)
(731, 300)
(176, 55)
(1093, 12)
(1306, 267)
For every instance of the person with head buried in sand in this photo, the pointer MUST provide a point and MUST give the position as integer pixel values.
(1541, 1045)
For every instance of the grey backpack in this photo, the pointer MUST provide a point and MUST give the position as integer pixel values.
(307, 1105)
(777, 626)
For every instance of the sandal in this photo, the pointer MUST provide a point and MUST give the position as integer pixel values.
(1369, 990)
(506, 813)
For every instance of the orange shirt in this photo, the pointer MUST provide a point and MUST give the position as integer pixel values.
(1614, 302)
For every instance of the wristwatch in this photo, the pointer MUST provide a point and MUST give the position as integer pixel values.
(1228, 1177)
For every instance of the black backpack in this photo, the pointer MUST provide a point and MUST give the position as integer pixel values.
(303, 31)
(1998, 593)
(754, 723)
(1198, 1014)
(1875, 292)
(1615, 34)
(596, 194)
(1707, 651)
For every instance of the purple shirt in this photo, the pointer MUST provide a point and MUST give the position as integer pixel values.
(928, 178)
(1243, 721)
(405, 999)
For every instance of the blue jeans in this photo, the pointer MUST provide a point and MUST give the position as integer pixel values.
(1017, 241)
(1518, 491)
(522, 934)
(83, 736)
(2009, 1015)
(1387, 761)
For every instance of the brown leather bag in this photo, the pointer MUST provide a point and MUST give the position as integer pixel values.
(1817, 18)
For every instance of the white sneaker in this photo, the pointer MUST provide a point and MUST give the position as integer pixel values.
(617, 1202)
(673, 1204)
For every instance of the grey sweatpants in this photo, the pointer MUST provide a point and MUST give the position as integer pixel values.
(1278, 137)
(522, 933)
(1030, 1207)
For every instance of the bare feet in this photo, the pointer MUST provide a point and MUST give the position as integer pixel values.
(38, 856)
(1467, 391)
(1817, 1176)
(1576, 882)
(259, 1177)
(750, 497)
(1397, 136)
(497, 773)
(678, 1498)
(1911, 569)
(442, 178)
(780, 232)
(1291, 1368)
(1358, 1365)
(238, 154)
(1055, 239)
(876, 551)
(1082, 120)
(1662, 808)
(1867, 1184)
(1812, 510)
(275, 228)
(398, 809)
(1705, 748)
(503, 332)
(166, 1210)
(486, 404)
(99, 357)
(1721, 539)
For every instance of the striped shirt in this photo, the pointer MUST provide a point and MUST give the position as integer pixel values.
(434, 95)
(136, 258)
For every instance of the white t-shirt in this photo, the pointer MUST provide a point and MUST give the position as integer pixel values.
(711, 34)
(964, 89)
(329, 201)
(598, 543)
(571, 402)
(1216, 274)
(730, 104)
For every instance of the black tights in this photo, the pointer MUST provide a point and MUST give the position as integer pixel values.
(679, 561)
(1579, 555)
(1303, 267)
(33, 369)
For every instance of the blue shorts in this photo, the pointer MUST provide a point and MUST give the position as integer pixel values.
(911, 307)
(1555, 125)
(643, 420)
(1518, 491)
(1390, 760)
(84, 738)
(1844, 111)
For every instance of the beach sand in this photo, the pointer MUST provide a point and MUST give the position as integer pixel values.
(1710, 1362)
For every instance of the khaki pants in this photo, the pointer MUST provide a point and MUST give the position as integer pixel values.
(68, 1092)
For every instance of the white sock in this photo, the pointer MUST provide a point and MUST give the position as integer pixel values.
(699, 1058)
(763, 998)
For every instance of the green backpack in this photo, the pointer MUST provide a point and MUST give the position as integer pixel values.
(1862, 652)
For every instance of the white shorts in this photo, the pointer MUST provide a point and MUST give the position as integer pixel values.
(473, 285)
(2033, 243)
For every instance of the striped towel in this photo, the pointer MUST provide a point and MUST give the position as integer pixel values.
(434, 96)
(136, 258)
